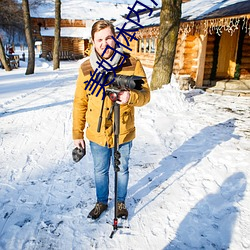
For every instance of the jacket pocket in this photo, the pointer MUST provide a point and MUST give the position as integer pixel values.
(127, 120)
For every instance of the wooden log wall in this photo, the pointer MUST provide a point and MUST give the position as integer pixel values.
(79, 46)
(73, 45)
(178, 61)
(191, 56)
(186, 55)
(47, 45)
(209, 58)
(66, 44)
(50, 22)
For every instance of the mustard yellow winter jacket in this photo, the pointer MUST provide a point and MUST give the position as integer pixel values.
(87, 107)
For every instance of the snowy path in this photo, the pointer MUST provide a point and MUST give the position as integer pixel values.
(189, 171)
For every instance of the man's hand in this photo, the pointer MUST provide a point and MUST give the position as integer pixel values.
(79, 151)
(79, 143)
(123, 97)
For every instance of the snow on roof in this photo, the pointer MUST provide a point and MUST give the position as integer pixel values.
(92, 10)
(197, 9)
(81, 10)
(145, 20)
(80, 32)
(194, 10)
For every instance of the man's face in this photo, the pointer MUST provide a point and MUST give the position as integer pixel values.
(103, 38)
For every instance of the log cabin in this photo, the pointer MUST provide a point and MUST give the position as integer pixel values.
(76, 21)
(213, 42)
(74, 37)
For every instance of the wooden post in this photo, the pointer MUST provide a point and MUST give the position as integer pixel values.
(201, 60)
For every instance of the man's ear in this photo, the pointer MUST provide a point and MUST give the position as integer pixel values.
(93, 42)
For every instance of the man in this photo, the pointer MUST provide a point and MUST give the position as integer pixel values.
(87, 107)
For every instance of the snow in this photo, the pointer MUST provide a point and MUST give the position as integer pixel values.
(85, 10)
(84, 33)
(189, 169)
(192, 10)
(93, 10)
(196, 9)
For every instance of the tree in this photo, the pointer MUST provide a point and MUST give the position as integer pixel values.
(11, 24)
(11, 19)
(3, 57)
(28, 33)
(56, 59)
(165, 53)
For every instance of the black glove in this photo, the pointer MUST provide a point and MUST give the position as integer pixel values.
(78, 153)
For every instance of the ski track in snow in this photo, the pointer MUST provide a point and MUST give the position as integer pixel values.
(24, 115)
(45, 197)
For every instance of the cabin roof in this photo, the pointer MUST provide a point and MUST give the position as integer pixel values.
(194, 10)
(76, 32)
(81, 10)
(209, 9)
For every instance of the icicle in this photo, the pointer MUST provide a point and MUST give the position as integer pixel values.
(216, 25)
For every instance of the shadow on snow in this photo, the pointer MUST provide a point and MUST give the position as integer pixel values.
(210, 223)
(189, 155)
(23, 110)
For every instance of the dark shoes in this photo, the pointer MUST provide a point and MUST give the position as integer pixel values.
(97, 210)
(122, 211)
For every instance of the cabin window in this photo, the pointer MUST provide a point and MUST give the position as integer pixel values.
(152, 45)
(143, 46)
(146, 45)
(139, 46)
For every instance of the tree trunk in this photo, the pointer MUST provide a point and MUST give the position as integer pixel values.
(3, 57)
(28, 33)
(165, 54)
(56, 59)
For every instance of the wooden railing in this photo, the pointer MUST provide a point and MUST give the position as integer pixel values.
(64, 55)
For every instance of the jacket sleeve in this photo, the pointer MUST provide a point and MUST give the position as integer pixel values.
(80, 105)
(139, 98)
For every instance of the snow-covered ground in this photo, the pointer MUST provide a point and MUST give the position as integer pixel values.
(189, 169)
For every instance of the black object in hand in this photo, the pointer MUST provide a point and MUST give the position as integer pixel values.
(78, 153)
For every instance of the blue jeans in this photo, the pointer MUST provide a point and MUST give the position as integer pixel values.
(102, 158)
